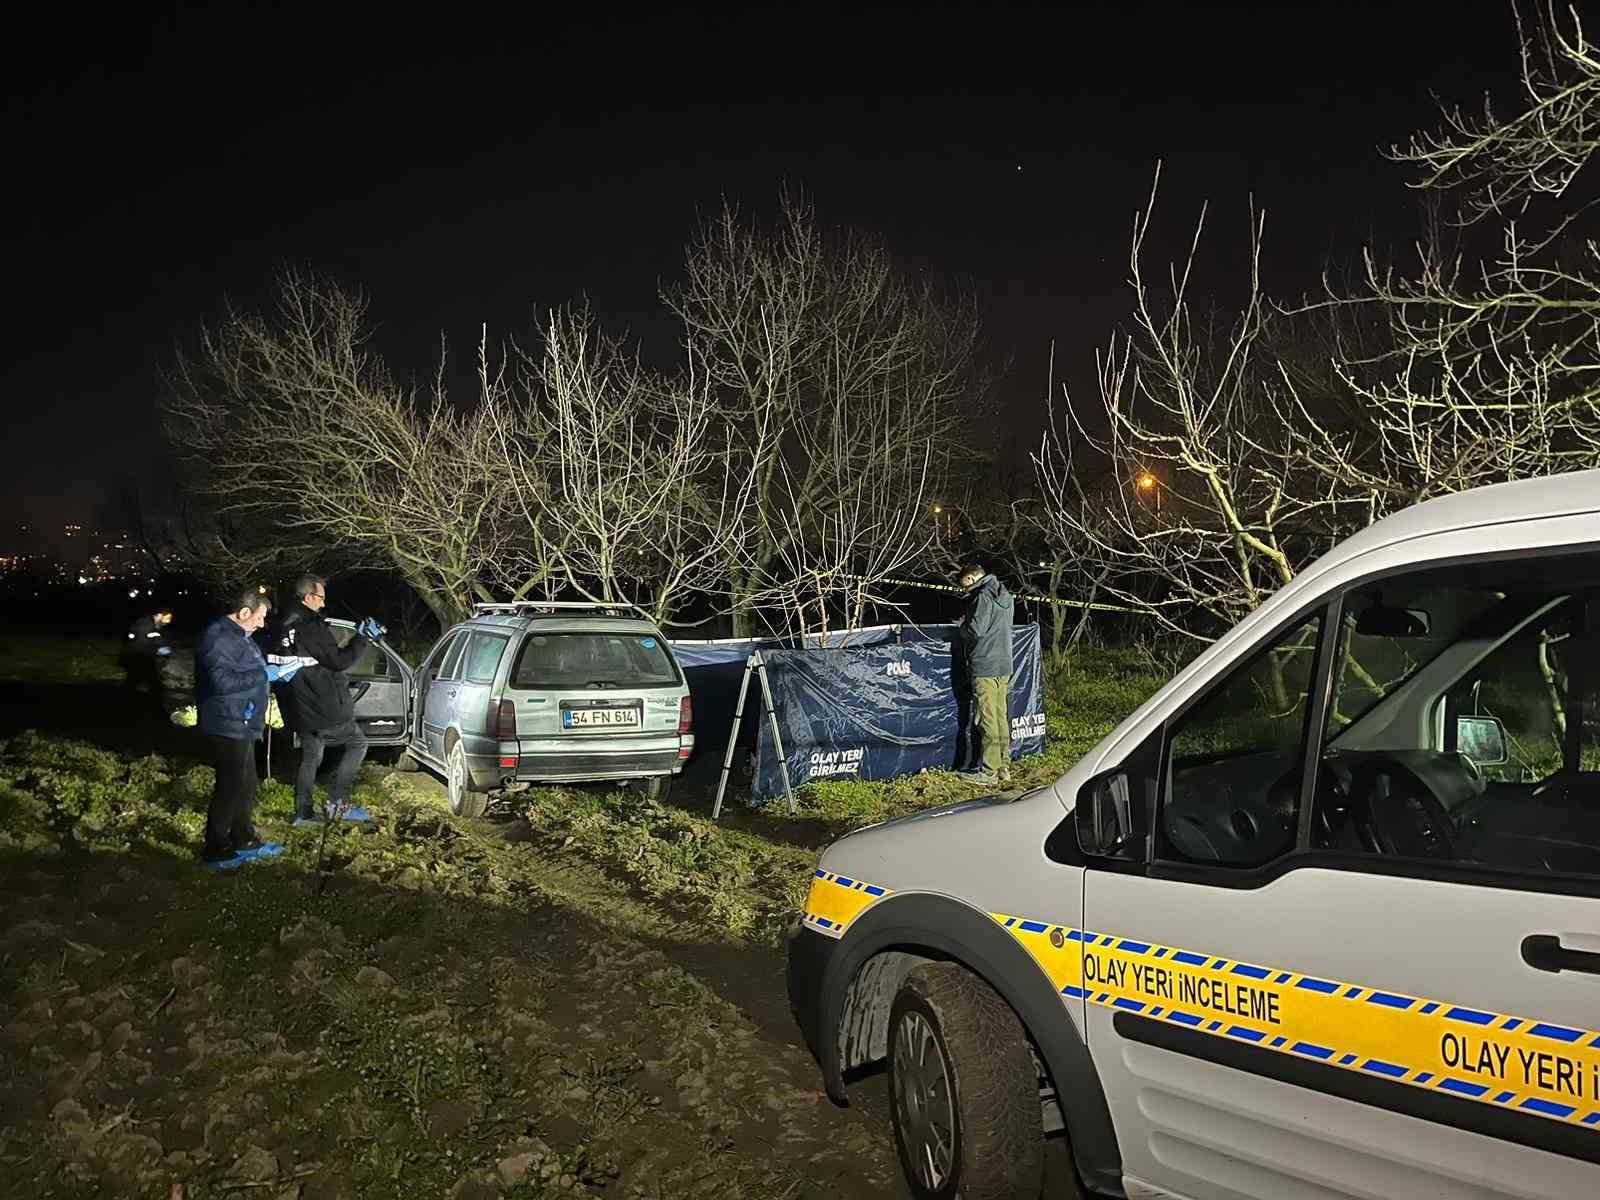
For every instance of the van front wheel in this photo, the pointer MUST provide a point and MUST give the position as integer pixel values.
(963, 1090)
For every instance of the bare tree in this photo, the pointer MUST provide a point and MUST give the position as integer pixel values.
(618, 473)
(1210, 505)
(1238, 452)
(844, 541)
(1491, 374)
(798, 337)
(1500, 164)
(297, 435)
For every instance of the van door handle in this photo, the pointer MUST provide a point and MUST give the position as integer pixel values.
(1544, 952)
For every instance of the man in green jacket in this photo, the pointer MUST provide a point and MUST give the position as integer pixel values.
(986, 645)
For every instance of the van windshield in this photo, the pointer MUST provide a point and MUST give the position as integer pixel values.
(594, 660)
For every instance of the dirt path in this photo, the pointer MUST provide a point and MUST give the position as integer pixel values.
(457, 1013)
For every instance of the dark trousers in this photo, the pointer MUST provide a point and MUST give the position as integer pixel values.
(313, 745)
(233, 799)
(144, 674)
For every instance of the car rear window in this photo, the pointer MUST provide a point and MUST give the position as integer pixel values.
(594, 660)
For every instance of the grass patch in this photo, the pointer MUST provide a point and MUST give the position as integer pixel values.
(744, 886)
(44, 658)
(69, 795)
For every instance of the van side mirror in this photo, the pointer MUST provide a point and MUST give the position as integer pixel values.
(1112, 817)
(1483, 740)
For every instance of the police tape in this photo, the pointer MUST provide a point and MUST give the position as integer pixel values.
(1536, 1067)
(1087, 605)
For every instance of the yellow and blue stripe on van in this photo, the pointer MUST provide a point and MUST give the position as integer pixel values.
(836, 900)
(1509, 1062)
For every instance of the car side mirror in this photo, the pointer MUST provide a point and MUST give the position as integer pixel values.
(1483, 740)
(1111, 818)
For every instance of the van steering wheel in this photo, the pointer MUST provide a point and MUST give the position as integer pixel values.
(1396, 813)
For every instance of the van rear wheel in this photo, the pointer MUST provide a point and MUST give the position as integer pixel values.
(464, 802)
(658, 787)
(963, 1090)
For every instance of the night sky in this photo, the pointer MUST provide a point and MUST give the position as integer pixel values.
(475, 167)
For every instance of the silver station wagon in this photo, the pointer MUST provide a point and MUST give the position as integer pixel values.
(530, 693)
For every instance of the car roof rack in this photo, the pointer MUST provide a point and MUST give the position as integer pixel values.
(557, 608)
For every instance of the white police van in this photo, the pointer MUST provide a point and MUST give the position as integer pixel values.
(1322, 918)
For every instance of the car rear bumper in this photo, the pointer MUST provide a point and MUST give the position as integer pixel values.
(577, 768)
(544, 762)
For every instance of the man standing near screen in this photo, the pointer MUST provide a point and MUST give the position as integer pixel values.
(986, 645)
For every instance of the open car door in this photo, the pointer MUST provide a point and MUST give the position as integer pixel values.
(382, 685)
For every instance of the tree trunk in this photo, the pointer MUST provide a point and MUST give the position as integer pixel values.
(448, 609)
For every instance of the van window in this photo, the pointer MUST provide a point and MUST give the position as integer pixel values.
(483, 657)
(594, 660)
(1234, 760)
(1487, 749)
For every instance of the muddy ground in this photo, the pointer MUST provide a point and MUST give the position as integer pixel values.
(446, 1009)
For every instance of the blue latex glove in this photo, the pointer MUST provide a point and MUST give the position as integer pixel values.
(277, 673)
(163, 651)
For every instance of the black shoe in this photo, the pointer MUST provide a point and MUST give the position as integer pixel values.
(254, 843)
(216, 856)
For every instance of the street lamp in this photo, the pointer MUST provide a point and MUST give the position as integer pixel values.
(1150, 486)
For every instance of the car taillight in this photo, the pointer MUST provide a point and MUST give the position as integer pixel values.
(685, 715)
(503, 721)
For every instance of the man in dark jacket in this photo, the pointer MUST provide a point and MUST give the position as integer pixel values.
(231, 680)
(321, 708)
(142, 654)
(986, 646)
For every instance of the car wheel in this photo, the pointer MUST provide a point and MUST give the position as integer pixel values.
(658, 787)
(464, 802)
(963, 1090)
(407, 762)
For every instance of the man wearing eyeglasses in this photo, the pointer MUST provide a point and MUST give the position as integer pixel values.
(321, 709)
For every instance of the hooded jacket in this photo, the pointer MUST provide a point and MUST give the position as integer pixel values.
(230, 682)
(318, 697)
(986, 629)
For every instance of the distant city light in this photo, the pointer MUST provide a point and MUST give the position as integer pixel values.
(133, 593)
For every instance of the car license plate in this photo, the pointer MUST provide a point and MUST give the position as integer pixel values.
(599, 718)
